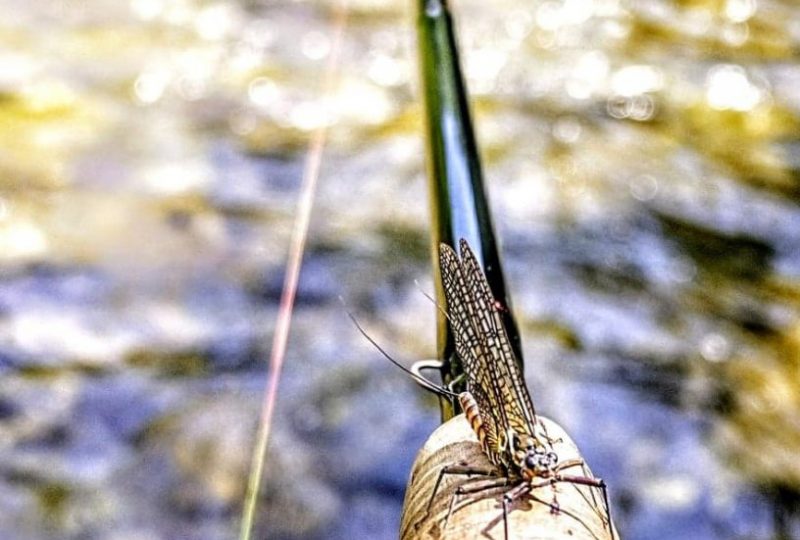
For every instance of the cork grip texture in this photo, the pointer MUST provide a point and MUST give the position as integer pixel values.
(581, 514)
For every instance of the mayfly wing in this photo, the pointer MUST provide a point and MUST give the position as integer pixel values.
(514, 396)
(470, 345)
(479, 362)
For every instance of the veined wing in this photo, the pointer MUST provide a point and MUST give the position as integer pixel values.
(472, 348)
(513, 394)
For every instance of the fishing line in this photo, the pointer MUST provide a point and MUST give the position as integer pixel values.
(294, 261)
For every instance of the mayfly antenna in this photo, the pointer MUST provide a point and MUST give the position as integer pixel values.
(419, 379)
(432, 299)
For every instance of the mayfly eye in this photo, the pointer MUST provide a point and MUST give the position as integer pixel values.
(531, 461)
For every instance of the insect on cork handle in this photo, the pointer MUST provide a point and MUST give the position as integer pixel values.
(461, 507)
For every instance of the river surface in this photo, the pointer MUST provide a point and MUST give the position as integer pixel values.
(643, 165)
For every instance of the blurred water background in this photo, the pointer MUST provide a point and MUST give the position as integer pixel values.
(643, 161)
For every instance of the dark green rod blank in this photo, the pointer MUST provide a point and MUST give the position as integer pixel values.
(459, 205)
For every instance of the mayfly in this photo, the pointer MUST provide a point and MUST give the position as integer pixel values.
(496, 402)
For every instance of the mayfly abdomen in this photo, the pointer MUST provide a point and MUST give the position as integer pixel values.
(473, 415)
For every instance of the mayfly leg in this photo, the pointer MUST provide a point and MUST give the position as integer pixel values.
(588, 481)
(597, 483)
(495, 483)
(510, 497)
(595, 504)
(462, 470)
(465, 470)
(468, 471)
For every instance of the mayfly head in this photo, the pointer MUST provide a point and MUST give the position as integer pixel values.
(534, 459)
